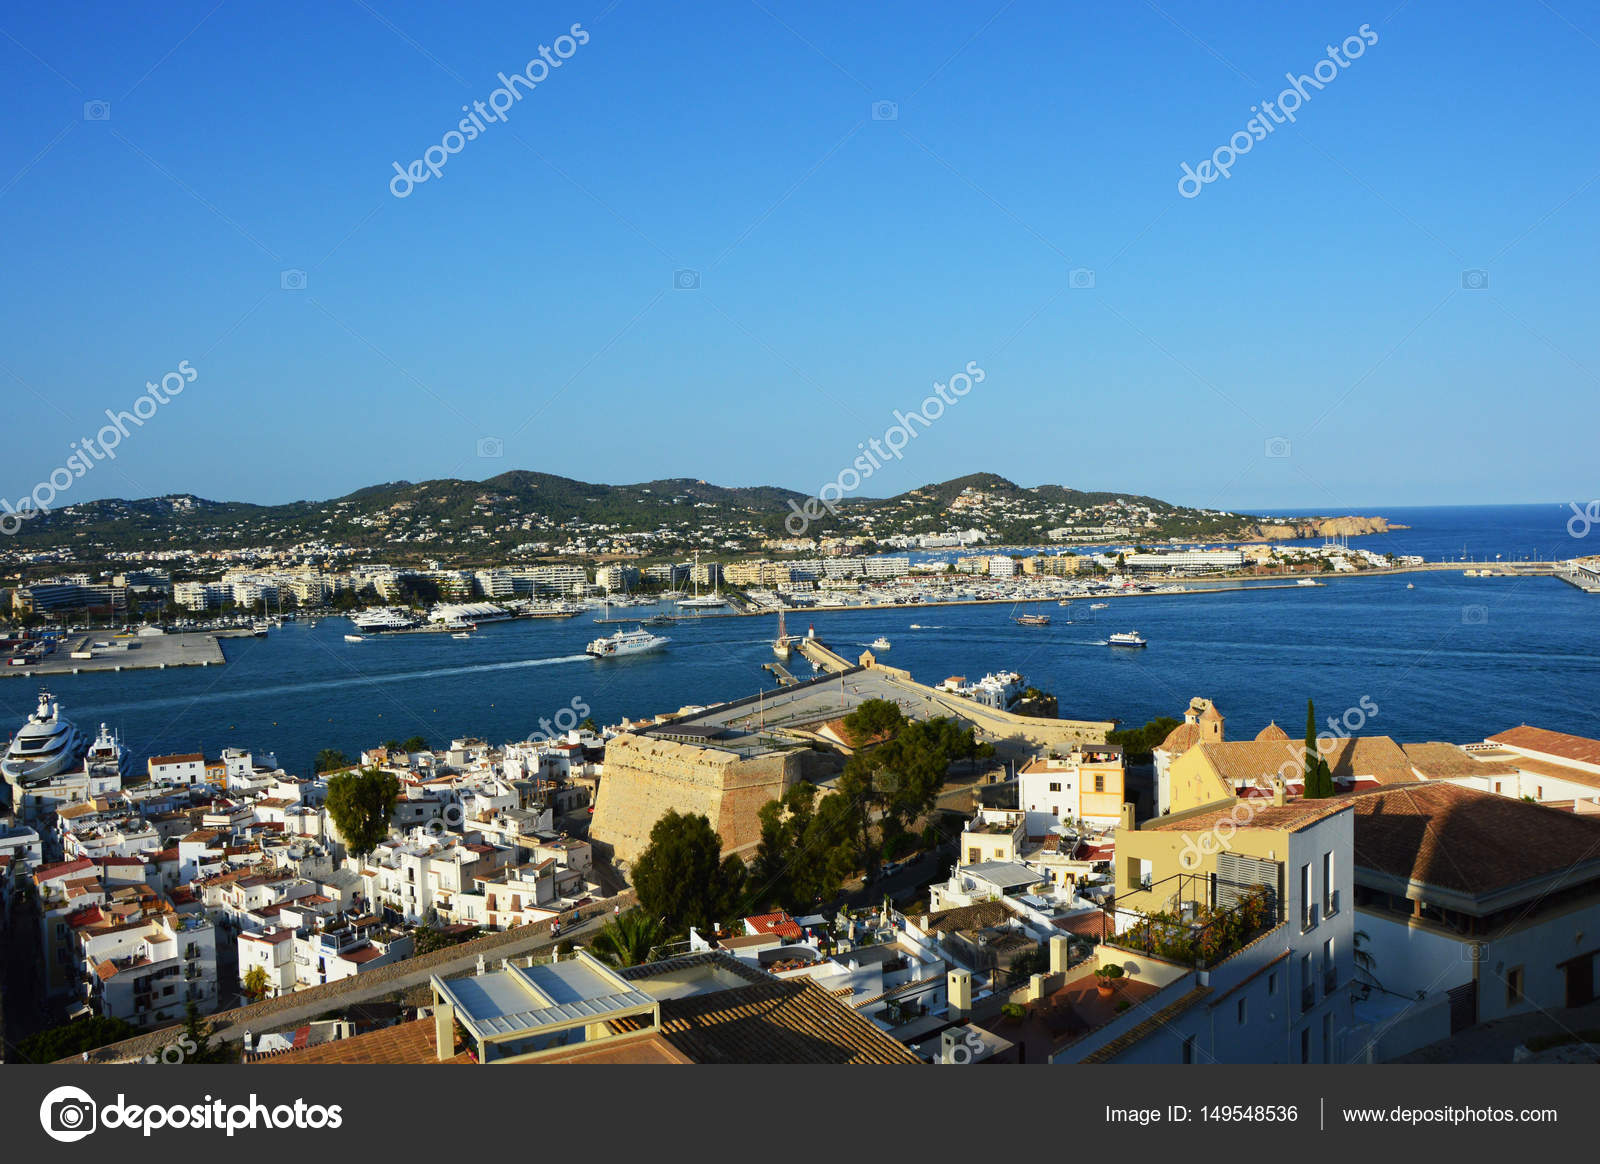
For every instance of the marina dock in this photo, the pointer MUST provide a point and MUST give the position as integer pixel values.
(136, 653)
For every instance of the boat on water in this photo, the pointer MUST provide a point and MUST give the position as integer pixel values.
(1032, 620)
(780, 645)
(259, 628)
(46, 745)
(658, 620)
(383, 619)
(1098, 605)
(880, 644)
(634, 642)
(916, 626)
(1411, 585)
(108, 755)
(355, 638)
(462, 635)
(1127, 639)
(1308, 582)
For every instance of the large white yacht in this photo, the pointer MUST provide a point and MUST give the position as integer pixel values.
(385, 618)
(632, 642)
(46, 745)
(108, 754)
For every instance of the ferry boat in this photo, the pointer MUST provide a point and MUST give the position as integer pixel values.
(1127, 639)
(1032, 620)
(384, 619)
(355, 638)
(259, 628)
(46, 745)
(880, 644)
(632, 642)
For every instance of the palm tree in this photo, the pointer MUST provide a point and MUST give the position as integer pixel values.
(628, 938)
(255, 983)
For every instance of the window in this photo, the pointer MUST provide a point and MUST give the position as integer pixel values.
(1330, 969)
(1055, 786)
(1308, 906)
(1514, 986)
(1188, 1049)
(1330, 894)
(1327, 1038)
(973, 857)
(1099, 782)
(1272, 984)
(1243, 1011)
(1308, 987)
(1305, 1045)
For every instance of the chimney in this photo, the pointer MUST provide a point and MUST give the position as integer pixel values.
(1060, 953)
(1279, 792)
(958, 985)
(444, 1030)
(1127, 815)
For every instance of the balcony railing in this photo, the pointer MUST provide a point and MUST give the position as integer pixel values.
(1201, 935)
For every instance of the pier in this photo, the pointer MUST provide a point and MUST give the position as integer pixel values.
(136, 653)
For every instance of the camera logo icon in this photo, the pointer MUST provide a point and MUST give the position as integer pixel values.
(885, 111)
(686, 280)
(97, 111)
(293, 279)
(1278, 447)
(1474, 280)
(1080, 279)
(491, 447)
(1474, 615)
(68, 1114)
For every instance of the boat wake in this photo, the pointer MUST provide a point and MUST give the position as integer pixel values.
(327, 684)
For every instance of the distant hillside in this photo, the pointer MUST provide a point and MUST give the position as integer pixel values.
(528, 513)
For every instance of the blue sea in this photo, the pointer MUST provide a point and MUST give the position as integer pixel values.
(1455, 658)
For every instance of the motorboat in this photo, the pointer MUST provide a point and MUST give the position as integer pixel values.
(634, 642)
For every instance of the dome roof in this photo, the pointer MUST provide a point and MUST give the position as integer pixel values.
(1272, 732)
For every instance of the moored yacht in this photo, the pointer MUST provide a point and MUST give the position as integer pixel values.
(47, 744)
(384, 619)
(108, 755)
(632, 642)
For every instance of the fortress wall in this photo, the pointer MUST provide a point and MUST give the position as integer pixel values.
(646, 777)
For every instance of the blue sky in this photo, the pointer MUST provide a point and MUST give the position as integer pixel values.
(1312, 303)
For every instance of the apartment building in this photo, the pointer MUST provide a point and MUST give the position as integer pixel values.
(1084, 785)
(147, 972)
(1260, 894)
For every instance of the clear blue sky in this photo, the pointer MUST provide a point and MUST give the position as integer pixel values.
(845, 261)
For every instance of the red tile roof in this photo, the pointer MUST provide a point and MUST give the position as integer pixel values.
(775, 923)
(1579, 749)
(1469, 841)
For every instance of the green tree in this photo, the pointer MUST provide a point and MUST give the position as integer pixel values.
(1318, 779)
(360, 804)
(74, 1038)
(682, 877)
(255, 984)
(198, 1035)
(1139, 743)
(416, 744)
(428, 939)
(873, 718)
(628, 938)
(331, 760)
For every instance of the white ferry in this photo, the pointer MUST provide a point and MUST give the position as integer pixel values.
(634, 642)
(880, 644)
(1127, 639)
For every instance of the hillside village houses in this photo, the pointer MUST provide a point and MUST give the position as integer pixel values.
(169, 891)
